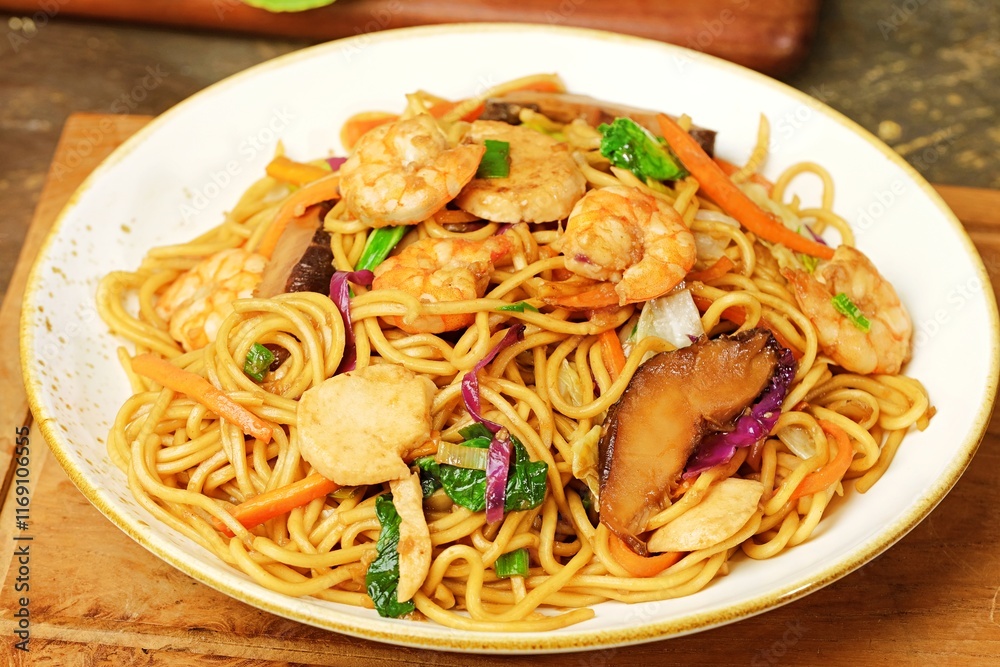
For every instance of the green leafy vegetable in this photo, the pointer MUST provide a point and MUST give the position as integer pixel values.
(475, 430)
(512, 564)
(380, 243)
(843, 305)
(382, 578)
(526, 482)
(496, 160)
(810, 263)
(288, 5)
(518, 307)
(258, 360)
(630, 146)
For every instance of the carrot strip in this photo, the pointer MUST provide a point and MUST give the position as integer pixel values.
(612, 353)
(279, 501)
(834, 470)
(201, 390)
(291, 171)
(726, 194)
(321, 190)
(449, 217)
(728, 168)
(641, 566)
(722, 266)
(738, 316)
(356, 126)
(602, 295)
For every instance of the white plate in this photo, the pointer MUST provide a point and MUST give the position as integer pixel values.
(175, 178)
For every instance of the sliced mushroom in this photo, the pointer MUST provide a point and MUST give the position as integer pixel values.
(670, 404)
(302, 260)
(565, 108)
(725, 509)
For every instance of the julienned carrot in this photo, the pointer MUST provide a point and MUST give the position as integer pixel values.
(357, 125)
(201, 390)
(722, 266)
(320, 190)
(714, 182)
(279, 501)
(834, 470)
(449, 217)
(291, 171)
(612, 353)
(728, 168)
(738, 316)
(641, 566)
(601, 295)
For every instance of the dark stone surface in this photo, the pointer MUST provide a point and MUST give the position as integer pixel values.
(923, 75)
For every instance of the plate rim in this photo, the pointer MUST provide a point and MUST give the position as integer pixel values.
(403, 633)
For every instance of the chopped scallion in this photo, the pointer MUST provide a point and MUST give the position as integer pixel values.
(518, 307)
(512, 564)
(380, 243)
(258, 360)
(809, 262)
(496, 160)
(843, 305)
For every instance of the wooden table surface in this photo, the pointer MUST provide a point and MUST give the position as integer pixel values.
(97, 598)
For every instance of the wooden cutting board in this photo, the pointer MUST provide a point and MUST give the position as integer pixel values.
(97, 598)
(773, 37)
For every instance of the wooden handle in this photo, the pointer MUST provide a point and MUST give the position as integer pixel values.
(772, 37)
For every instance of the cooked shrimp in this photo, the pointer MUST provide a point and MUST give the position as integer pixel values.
(441, 270)
(199, 300)
(543, 184)
(404, 172)
(623, 235)
(885, 347)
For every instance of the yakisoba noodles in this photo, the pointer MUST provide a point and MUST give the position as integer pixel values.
(576, 265)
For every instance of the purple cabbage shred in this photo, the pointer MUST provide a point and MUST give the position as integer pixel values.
(470, 382)
(340, 293)
(719, 448)
(335, 162)
(498, 457)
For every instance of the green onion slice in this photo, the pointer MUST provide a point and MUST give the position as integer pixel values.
(496, 160)
(518, 307)
(512, 564)
(462, 455)
(843, 305)
(380, 243)
(258, 360)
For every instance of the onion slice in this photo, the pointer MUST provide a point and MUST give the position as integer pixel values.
(462, 456)
(498, 456)
(335, 162)
(470, 382)
(497, 468)
(340, 293)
